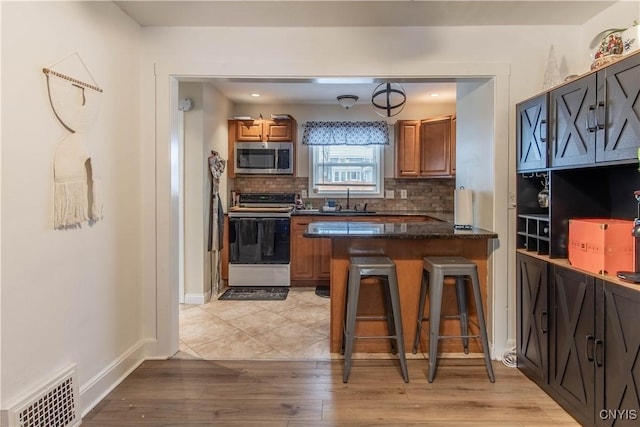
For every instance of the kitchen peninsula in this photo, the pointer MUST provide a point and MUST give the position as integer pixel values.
(406, 243)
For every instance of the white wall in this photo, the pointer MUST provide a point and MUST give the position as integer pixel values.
(204, 130)
(69, 296)
(481, 165)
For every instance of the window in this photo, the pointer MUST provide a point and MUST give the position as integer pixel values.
(336, 168)
(346, 156)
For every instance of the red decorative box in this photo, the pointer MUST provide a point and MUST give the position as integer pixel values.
(601, 246)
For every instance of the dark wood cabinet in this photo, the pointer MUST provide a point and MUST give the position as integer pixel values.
(572, 109)
(533, 320)
(618, 358)
(577, 338)
(577, 334)
(573, 342)
(618, 111)
(531, 134)
(596, 118)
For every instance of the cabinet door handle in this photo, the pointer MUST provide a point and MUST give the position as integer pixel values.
(591, 118)
(599, 348)
(588, 349)
(600, 118)
(544, 322)
(543, 135)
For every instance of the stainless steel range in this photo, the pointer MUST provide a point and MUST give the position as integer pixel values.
(259, 240)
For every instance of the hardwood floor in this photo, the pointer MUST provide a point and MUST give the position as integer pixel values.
(311, 394)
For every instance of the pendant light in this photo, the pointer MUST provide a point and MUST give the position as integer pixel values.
(388, 99)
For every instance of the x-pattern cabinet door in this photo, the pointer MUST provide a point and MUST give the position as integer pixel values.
(531, 134)
(573, 341)
(619, 136)
(533, 319)
(618, 360)
(572, 109)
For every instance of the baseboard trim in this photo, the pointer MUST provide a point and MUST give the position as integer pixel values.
(198, 299)
(97, 388)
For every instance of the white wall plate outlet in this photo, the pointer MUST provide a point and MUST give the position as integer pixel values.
(389, 194)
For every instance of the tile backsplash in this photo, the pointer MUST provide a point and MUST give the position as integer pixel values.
(435, 195)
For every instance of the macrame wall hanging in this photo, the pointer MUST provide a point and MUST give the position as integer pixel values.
(75, 103)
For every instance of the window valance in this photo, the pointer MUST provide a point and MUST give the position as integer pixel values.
(346, 133)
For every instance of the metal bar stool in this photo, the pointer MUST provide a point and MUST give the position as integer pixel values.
(435, 269)
(384, 268)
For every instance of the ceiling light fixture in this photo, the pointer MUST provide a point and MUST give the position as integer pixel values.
(347, 101)
(255, 95)
(388, 99)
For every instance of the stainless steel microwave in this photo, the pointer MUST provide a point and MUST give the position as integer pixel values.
(274, 158)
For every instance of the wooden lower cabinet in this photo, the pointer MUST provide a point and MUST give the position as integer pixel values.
(310, 258)
(591, 337)
(302, 250)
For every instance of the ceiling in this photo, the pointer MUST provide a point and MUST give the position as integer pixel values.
(396, 13)
(323, 13)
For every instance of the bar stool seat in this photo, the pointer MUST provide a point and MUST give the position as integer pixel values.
(435, 269)
(383, 268)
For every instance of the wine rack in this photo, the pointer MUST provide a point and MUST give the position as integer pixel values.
(533, 233)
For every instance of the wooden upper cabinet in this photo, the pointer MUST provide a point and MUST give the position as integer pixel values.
(280, 130)
(407, 148)
(435, 140)
(454, 123)
(249, 130)
(264, 130)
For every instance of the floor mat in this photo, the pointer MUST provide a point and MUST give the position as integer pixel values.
(255, 294)
(323, 291)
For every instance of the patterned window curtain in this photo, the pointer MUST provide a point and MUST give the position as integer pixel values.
(346, 133)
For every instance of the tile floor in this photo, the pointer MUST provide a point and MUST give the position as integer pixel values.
(296, 328)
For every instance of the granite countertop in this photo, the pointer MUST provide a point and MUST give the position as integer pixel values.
(440, 216)
(403, 230)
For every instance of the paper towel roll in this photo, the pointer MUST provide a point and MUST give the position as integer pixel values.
(463, 208)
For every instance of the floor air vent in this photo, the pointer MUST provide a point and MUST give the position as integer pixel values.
(53, 405)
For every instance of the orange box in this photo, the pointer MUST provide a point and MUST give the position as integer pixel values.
(601, 246)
